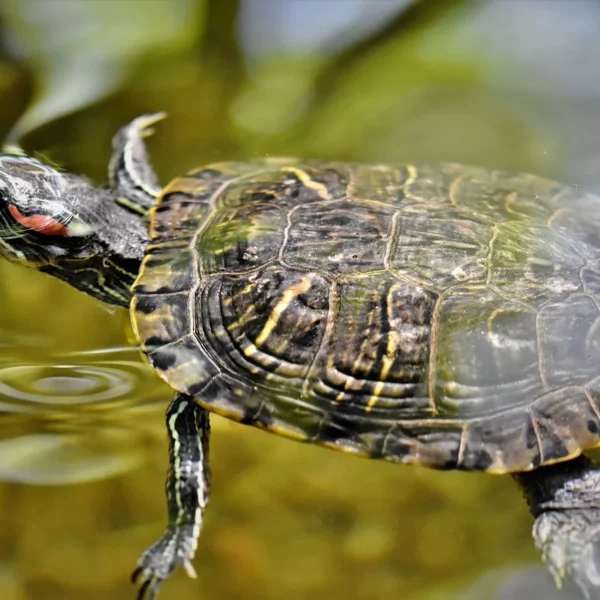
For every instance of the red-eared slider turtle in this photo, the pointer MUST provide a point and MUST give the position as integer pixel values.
(438, 315)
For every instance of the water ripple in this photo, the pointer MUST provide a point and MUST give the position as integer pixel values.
(99, 379)
(70, 384)
(81, 416)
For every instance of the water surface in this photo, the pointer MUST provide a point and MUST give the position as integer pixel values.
(82, 444)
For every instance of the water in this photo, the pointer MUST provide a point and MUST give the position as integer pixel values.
(83, 448)
(82, 460)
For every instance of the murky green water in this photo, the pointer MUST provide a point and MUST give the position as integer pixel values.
(82, 443)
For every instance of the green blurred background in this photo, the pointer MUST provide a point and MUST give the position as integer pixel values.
(509, 84)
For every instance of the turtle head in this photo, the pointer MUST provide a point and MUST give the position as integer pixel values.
(39, 213)
(63, 225)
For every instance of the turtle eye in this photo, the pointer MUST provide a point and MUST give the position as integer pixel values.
(39, 223)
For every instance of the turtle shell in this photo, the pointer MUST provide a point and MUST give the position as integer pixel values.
(440, 315)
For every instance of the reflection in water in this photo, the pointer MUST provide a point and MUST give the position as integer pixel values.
(61, 458)
(76, 417)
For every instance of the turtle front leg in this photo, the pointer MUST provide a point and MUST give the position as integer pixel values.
(130, 174)
(187, 490)
(565, 499)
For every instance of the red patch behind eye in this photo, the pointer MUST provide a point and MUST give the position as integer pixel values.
(40, 223)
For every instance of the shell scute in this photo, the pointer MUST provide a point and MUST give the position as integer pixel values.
(438, 315)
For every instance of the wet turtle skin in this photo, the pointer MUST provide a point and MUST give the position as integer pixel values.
(439, 315)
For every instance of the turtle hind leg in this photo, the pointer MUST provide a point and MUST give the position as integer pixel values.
(187, 490)
(565, 500)
(131, 177)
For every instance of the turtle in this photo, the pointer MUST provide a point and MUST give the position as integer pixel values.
(440, 315)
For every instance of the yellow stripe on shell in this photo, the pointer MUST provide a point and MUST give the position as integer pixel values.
(387, 360)
(306, 180)
(295, 290)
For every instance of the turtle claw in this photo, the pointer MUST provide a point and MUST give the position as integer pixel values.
(188, 567)
(142, 126)
(175, 548)
(148, 584)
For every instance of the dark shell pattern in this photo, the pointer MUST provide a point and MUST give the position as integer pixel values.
(439, 315)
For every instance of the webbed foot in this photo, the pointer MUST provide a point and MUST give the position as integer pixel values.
(175, 548)
(564, 498)
(569, 542)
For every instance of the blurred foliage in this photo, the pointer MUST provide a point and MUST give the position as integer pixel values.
(99, 44)
(436, 80)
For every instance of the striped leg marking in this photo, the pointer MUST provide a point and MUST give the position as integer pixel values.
(187, 489)
(130, 174)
